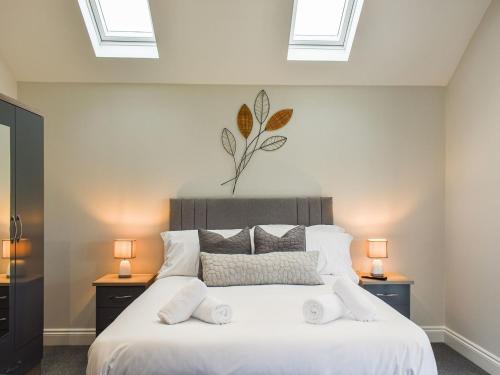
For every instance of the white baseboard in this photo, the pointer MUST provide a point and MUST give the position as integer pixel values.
(475, 353)
(68, 336)
(435, 333)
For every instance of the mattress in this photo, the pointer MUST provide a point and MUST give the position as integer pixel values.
(268, 335)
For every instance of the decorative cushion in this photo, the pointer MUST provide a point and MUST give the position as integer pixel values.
(211, 242)
(296, 268)
(293, 240)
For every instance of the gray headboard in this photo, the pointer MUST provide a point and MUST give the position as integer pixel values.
(231, 213)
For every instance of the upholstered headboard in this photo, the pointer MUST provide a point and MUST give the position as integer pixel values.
(231, 213)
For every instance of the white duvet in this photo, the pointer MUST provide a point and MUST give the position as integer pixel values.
(268, 335)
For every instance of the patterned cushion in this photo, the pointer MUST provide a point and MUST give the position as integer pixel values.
(298, 268)
(293, 240)
(211, 242)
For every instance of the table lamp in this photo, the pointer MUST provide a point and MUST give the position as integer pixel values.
(124, 250)
(6, 255)
(377, 249)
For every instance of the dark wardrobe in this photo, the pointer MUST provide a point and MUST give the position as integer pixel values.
(21, 231)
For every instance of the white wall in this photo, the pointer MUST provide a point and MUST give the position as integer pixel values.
(473, 189)
(115, 154)
(8, 84)
(4, 189)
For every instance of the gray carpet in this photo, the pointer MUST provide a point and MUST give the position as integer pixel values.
(64, 360)
(71, 360)
(450, 362)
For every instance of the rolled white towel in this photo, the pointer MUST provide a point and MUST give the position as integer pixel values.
(355, 300)
(211, 310)
(183, 303)
(323, 309)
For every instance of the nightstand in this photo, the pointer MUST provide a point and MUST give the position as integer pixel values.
(395, 291)
(114, 294)
(4, 304)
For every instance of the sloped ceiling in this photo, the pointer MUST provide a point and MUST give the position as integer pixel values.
(399, 42)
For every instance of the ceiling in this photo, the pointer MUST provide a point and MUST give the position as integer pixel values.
(398, 42)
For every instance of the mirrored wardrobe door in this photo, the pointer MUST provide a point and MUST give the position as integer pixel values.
(7, 222)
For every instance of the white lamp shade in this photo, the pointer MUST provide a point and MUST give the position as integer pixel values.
(5, 248)
(124, 249)
(377, 248)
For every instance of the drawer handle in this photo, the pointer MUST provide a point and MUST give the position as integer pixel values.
(3, 297)
(3, 319)
(120, 297)
(387, 294)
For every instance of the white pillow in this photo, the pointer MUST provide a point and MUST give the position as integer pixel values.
(182, 249)
(182, 252)
(335, 251)
(328, 228)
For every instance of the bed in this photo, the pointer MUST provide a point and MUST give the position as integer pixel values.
(268, 334)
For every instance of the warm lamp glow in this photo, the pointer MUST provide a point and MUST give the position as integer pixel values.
(377, 248)
(23, 249)
(6, 249)
(124, 249)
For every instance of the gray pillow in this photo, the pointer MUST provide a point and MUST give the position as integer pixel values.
(296, 268)
(215, 243)
(293, 240)
(211, 242)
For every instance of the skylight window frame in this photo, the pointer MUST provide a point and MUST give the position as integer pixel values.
(116, 47)
(110, 36)
(316, 50)
(347, 13)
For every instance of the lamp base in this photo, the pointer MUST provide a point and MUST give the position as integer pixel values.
(377, 268)
(125, 269)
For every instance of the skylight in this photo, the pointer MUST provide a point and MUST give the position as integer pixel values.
(323, 30)
(120, 28)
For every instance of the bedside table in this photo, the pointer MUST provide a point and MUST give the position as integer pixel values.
(114, 294)
(395, 291)
(4, 304)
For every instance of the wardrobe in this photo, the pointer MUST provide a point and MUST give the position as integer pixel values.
(21, 231)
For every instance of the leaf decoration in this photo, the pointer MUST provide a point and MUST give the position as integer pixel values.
(279, 119)
(245, 121)
(273, 143)
(261, 106)
(228, 141)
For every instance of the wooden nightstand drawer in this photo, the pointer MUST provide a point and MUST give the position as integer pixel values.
(4, 319)
(4, 297)
(393, 294)
(402, 309)
(395, 291)
(117, 296)
(105, 316)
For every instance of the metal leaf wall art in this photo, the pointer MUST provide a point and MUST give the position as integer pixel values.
(245, 121)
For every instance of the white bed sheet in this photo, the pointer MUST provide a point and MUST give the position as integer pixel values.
(268, 335)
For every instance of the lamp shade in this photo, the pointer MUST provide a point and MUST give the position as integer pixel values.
(377, 248)
(6, 249)
(23, 249)
(124, 249)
